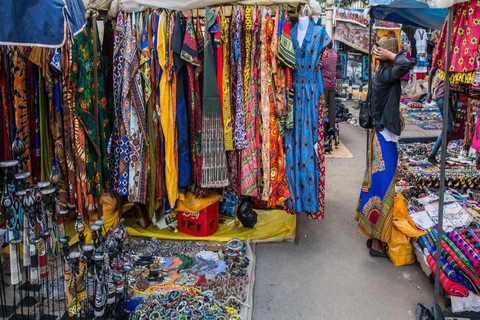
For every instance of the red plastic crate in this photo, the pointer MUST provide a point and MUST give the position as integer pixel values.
(201, 224)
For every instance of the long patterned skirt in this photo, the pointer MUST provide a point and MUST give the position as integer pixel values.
(375, 206)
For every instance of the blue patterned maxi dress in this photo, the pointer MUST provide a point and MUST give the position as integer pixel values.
(301, 161)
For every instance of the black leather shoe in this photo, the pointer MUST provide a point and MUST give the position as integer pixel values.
(377, 254)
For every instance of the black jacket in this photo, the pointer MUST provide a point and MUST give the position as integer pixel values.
(386, 91)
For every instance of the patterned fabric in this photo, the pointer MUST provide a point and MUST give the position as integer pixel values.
(184, 172)
(227, 112)
(465, 44)
(240, 135)
(132, 91)
(279, 185)
(452, 288)
(280, 79)
(190, 55)
(232, 156)
(374, 211)
(82, 79)
(265, 104)
(302, 167)
(469, 253)
(467, 270)
(248, 30)
(158, 138)
(56, 125)
(249, 160)
(321, 163)
(17, 63)
(5, 109)
(286, 53)
(121, 142)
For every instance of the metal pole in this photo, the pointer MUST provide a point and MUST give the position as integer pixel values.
(443, 155)
(95, 77)
(369, 79)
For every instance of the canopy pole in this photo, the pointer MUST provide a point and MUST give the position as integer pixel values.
(443, 160)
(369, 78)
(97, 125)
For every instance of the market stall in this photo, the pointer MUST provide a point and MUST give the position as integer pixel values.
(446, 215)
(150, 114)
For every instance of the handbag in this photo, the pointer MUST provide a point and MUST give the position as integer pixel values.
(365, 117)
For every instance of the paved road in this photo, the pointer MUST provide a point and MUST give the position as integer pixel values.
(330, 274)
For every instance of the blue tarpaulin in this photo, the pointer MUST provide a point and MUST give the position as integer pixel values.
(408, 12)
(40, 23)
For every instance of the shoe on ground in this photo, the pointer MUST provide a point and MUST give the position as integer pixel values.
(432, 160)
(377, 254)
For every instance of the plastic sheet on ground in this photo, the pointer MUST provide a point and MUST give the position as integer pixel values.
(340, 153)
(111, 221)
(272, 225)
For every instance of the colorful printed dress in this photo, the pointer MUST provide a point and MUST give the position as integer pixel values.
(302, 169)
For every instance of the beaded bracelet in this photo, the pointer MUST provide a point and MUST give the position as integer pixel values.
(235, 244)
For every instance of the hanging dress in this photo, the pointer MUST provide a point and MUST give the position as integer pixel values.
(214, 166)
(184, 172)
(226, 87)
(302, 169)
(232, 156)
(18, 64)
(240, 135)
(132, 92)
(279, 186)
(249, 158)
(190, 55)
(166, 114)
(120, 140)
(265, 69)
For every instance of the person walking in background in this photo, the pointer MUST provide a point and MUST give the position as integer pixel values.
(374, 212)
(328, 68)
(439, 99)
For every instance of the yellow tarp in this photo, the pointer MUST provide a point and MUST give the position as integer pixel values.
(271, 225)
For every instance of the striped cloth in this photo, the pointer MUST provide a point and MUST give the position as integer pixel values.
(286, 54)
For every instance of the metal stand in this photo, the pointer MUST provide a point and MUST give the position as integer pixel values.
(442, 165)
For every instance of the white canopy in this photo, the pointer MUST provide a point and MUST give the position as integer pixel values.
(182, 5)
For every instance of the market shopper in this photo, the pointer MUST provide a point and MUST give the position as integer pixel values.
(328, 68)
(375, 206)
(439, 99)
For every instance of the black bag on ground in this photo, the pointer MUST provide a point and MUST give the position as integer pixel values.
(246, 214)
